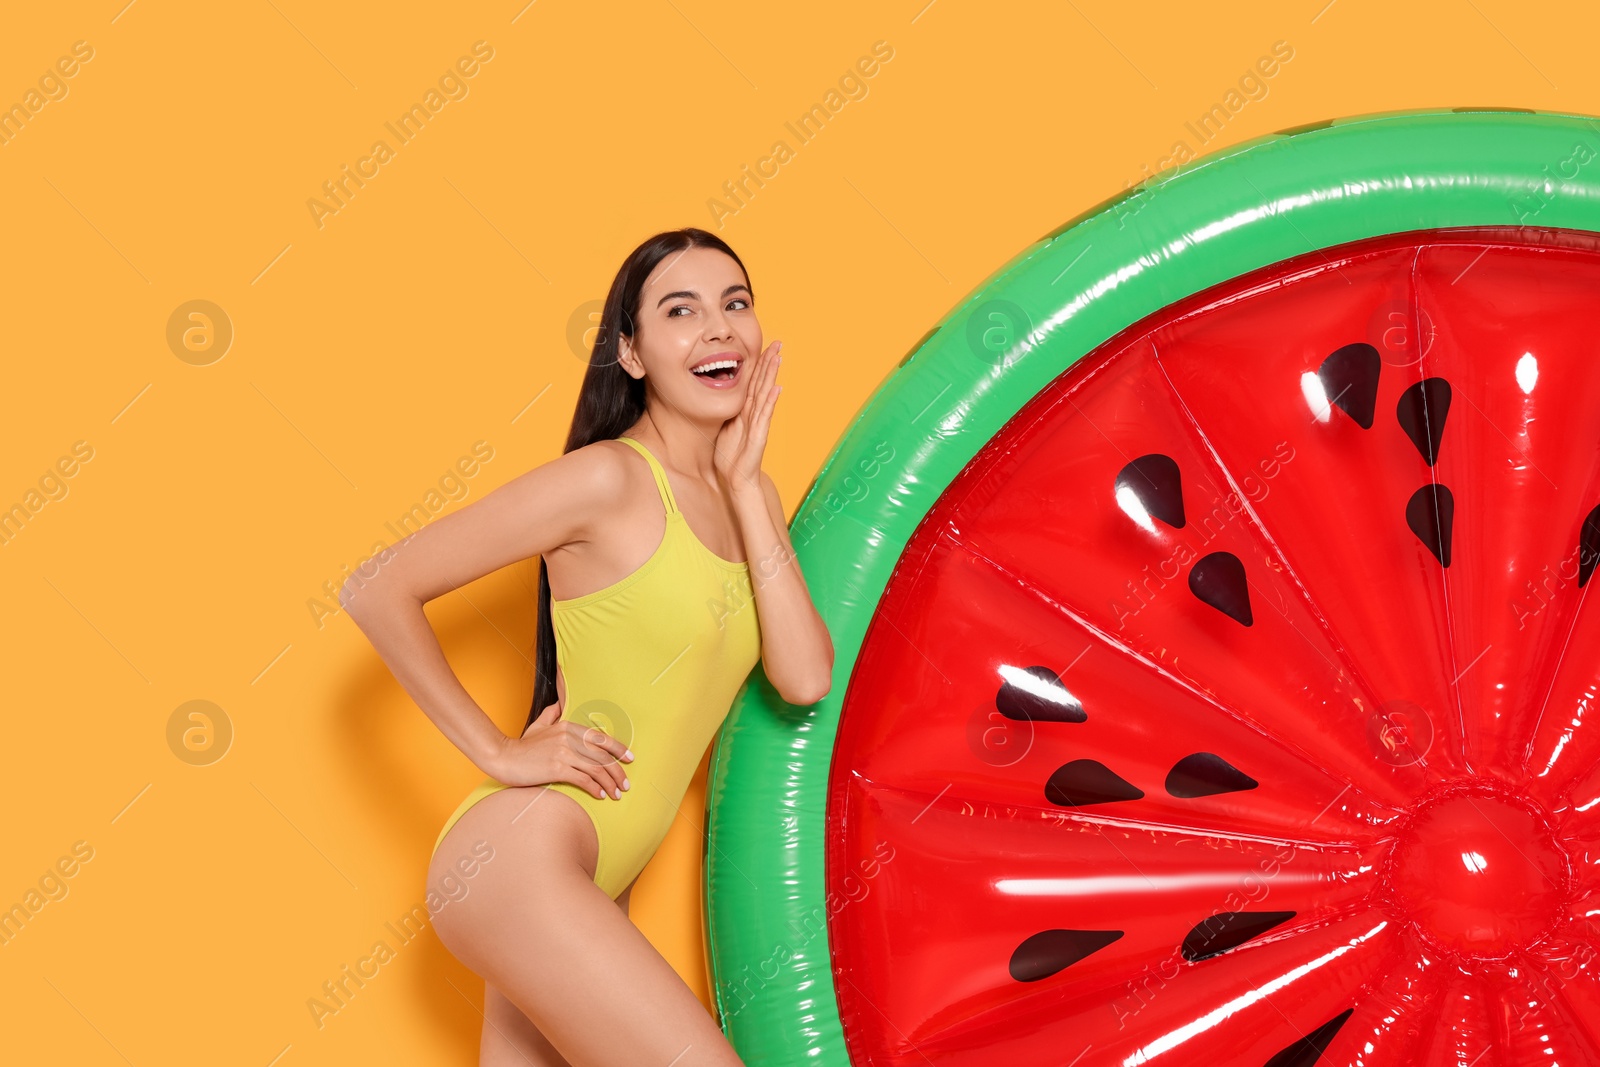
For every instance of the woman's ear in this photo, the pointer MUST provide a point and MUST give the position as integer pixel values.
(627, 359)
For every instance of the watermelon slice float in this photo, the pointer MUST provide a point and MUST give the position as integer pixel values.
(1212, 590)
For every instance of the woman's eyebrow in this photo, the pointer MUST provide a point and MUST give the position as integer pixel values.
(696, 296)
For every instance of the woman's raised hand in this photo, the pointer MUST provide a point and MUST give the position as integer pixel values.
(553, 749)
(743, 438)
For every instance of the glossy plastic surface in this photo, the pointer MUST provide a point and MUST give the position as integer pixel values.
(1183, 732)
(769, 893)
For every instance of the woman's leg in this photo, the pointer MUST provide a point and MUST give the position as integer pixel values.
(622, 897)
(539, 931)
(509, 1039)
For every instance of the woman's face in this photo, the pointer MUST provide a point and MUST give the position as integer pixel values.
(695, 309)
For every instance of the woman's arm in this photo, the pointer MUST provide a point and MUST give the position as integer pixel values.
(796, 650)
(549, 506)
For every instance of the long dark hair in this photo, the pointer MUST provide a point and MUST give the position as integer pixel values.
(609, 402)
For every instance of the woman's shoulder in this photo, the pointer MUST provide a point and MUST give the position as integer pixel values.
(590, 458)
(601, 468)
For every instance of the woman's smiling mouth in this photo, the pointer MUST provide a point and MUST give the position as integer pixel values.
(719, 372)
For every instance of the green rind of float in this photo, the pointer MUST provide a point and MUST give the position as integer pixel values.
(1189, 228)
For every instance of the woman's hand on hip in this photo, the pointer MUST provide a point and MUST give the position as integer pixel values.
(553, 749)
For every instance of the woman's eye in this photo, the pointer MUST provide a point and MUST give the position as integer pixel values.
(673, 313)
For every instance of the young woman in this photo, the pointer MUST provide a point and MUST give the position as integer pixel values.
(665, 572)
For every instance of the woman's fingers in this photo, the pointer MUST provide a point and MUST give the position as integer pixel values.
(764, 419)
(591, 775)
(600, 739)
(763, 365)
(603, 754)
(587, 782)
(609, 775)
(764, 394)
(762, 373)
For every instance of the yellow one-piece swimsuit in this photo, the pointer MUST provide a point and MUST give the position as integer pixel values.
(655, 660)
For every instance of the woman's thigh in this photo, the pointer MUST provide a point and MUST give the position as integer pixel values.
(509, 1038)
(514, 837)
(536, 928)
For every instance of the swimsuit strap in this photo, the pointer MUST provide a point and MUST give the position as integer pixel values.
(667, 499)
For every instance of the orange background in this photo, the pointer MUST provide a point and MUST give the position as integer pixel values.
(216, 492)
